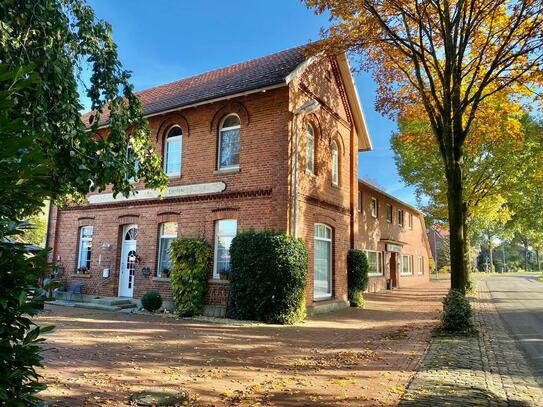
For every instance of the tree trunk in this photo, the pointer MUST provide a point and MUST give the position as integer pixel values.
(525, 255)
(456, 226)
(467, 244)
(490, 252)
(538, 262)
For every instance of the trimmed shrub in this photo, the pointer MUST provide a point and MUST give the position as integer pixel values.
(357, 269)
(268, 277)
(191, 258)
(457, 313)
(151, 301)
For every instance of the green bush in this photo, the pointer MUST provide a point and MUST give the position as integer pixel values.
(191, 258)
(457, 313)
(151, 301)
(268, 277)
(357, 269)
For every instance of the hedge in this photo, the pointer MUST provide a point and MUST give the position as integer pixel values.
(191, 258)
(268, 277)
(357, 269)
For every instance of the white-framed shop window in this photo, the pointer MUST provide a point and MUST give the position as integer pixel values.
(407, 265)
(85, 249)
(375, 263)
(225, 231)
(322, 262)
(167, 234)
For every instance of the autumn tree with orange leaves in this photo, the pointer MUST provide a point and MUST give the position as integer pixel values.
(445, 58)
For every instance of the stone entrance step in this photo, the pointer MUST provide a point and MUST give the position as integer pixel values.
(93, 302)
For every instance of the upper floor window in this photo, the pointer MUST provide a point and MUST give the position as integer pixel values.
(410, 220)
(229, 142)
(225, 231)
(389, 213)
(335, 164)
(310, 149)
(374, 207)
(85, 249)
(400, 217)
(359, 201)
(130, 156)
(173, 152)
(168, 232)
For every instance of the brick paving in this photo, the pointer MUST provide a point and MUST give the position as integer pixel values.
(350, 357)
(487, 369)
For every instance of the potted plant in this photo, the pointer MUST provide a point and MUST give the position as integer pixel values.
(165, 272)
(82, 270)
(223, 274)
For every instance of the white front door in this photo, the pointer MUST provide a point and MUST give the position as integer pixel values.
(128, 261)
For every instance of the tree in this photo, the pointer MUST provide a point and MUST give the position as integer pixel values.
(444, 59)
(46, 151)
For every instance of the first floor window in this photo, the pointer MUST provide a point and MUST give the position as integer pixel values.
(335, 164)
(168, 232)
(375, 263)
(410, 220)
(400, 217)
(407, 265)
(421, 265)
(310, 149)
(173, 154)
(322, 262)
(389, 213)
(85, 249)
(225, 231)
(229, 140)
(374, 207)
(359, 201)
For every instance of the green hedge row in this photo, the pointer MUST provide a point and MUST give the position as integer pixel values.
(268, 277)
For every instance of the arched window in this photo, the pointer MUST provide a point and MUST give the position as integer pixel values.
(229, 142)
(129, 157)
(335, 164)
(173, 152)
(310, 148)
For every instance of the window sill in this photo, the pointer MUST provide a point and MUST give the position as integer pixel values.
(323, 298)
(162, 279)
(310, 173)
(227, 171)
(336, 186)
(406, 274)
(80, 275)
(218, 281)
(375, 275)
(174, 176)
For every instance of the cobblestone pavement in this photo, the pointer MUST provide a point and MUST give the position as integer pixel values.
(350, 357)
(487, 369)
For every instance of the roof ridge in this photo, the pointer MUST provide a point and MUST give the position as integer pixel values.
(249, 61)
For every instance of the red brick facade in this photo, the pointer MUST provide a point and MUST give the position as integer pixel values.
(259, 195)
(385, 235)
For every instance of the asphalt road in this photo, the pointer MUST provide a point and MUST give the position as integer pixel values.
(519, 301)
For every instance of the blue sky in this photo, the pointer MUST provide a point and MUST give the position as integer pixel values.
(162, 41)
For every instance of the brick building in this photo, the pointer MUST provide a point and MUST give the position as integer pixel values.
(230, 140)
(394, 237)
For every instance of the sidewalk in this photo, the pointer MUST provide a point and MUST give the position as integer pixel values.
(484, 370)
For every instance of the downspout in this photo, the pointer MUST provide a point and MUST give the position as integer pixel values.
(354, 192)
(295, 192)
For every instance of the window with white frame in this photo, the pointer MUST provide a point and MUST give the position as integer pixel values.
(389, 213)
(400, 217)
(310, 148)
(322, 262)
(410, 220)
(375, 263)
(421, 265)
(374, 207)
(129, 157)
(229, 142)
(335, 164)
(167, 233)
(225, 231)
(85, 249)
(407, 265)
(359, 201)
(173, 152)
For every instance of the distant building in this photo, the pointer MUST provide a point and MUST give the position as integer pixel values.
(438, 236)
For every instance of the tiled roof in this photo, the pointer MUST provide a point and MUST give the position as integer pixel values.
(243, 77)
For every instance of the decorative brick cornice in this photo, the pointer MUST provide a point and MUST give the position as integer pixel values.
(258, 193)
(341, 87)
(312, 200)
(305, 89)
(225, 209)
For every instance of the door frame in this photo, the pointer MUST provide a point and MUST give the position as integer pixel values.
(122, 268)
